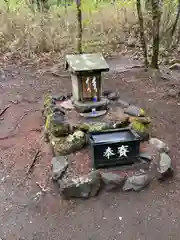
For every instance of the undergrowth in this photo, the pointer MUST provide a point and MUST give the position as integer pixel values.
(106, 28)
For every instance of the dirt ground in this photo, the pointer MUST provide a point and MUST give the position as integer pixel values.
(28, 213)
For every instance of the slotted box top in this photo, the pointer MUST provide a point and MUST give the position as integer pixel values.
(86, 62)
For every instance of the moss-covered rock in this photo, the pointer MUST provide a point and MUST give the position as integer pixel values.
(56, 126)
(83, 187)
(69, 144)
(98, 127)
(49, 106)
(93, 127)
(143, 120)
(141, 128)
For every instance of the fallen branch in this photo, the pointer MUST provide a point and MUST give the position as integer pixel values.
(33, 162)
(4, 110)
(14, 102)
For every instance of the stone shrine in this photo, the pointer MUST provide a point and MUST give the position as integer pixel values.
(86, 79)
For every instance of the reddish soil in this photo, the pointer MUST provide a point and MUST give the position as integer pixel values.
(149, 215)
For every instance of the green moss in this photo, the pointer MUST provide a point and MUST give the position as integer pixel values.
(47, 100)
(48, 120)
(142, 112)
(69, 144)
(137, 126)
(98, 127)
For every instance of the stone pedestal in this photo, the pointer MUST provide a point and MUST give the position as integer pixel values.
(84, 107)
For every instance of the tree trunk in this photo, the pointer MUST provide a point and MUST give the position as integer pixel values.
(176, 20)
(142, 36)
(79, 19)
(7, 4)
(156, 17)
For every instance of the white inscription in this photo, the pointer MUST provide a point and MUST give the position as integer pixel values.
(87, 83)
(94, 84)
(122, 151)
(108, 153)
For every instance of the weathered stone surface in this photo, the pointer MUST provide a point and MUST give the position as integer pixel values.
(136, 182)
(69, 144)
(112, 181)
(165, 162)
(82, 187)
(165, 168)
(122, 103)
(134, 111)
(113, 96)
(160, 145)
(67, 105)
(59, 166)
(146, 155)
(175, 66)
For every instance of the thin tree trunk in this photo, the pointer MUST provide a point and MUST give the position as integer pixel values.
(156, 17)
(142, 36)
(7, 4)
(38, 5)
(176, 20)
(79, 19)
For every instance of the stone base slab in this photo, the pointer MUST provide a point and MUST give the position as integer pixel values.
(83, 107)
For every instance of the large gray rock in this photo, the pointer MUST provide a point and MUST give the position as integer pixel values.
(112, 181)
(165, 166)
(59, 166)
(159, 145)
(134, 111)
(137, 182)
(82, 187)
(165, 162)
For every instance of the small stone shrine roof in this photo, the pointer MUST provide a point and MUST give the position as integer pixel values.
(86, 62)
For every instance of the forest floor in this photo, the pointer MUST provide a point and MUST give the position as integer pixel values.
(29, 213)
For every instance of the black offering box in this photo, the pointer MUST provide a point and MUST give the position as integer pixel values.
(114, 148)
